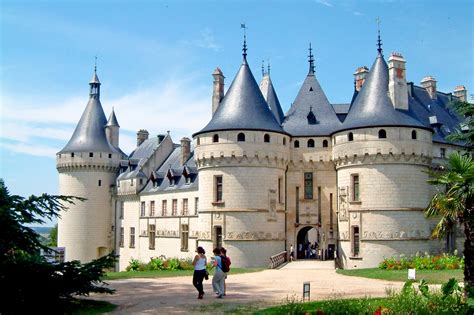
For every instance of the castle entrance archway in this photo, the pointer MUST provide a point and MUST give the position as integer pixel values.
(308, 239)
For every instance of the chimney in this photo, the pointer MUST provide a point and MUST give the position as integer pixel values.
(429, 83)
(142, 135)
(461, 93)
(218, 92)
(397, 81)
(185, 149)
(359, 77)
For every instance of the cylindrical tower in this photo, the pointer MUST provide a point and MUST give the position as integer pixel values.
(88, 166)
(241, 156)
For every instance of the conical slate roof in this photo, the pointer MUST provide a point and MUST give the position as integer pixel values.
(373, 107)
(266, 87)
(95, 78)
(243, 107)
(112, 121)
(311, 114)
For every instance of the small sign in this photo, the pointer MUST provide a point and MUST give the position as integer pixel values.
(411, 274)
(306, 291)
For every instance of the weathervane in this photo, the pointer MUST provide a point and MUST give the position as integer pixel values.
(311, 59)
(263, 68)
(268, 67)
(242, 25)
(379, 41)
(95, 64)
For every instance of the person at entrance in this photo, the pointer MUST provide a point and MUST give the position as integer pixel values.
(300, 250)
(199, 264)
(291, 253)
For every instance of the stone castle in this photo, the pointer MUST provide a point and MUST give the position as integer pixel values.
(351, 177)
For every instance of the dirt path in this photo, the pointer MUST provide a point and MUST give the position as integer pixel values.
(246, 292)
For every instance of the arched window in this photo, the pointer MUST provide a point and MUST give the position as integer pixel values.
(413, 134)
(310, 143)
(382, 134)
(325, 143)
(215, 138)
(284, 141)
(350, 136)
(241, 137)
(297, 144)
(266, 138)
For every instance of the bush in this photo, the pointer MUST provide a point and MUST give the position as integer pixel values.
(186, 264)
(155, 264)
(426, 262)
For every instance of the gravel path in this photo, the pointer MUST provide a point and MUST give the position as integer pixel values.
(245, 292)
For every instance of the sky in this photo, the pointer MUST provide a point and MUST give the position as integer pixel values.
(155, 59)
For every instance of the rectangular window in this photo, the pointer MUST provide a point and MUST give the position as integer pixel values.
(151, 236)
(218, 188)
(355, 187)
(308, 185)
(185, 206)
(355, 241)
(122, 237)
(442, 153)
(132, 237)
(110, 155)
(142, 209)
(152, 208)
(297, 205)
(99, 183)
(131, 182)
(184, 237)
(174, 207)
(279, 190)
(196, 205)
(122, 208)
(91, 154)
(164, 208)
(331, 222)
(319, 205)
(218, 237)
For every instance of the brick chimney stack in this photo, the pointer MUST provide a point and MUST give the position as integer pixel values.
(142, 135)
(218, 92)
(461, 93)
(359, 77)
(185, 149)
(397, 82)
(429, 83)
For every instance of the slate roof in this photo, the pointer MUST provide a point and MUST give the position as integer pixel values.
(173, 169)
(112, 121)
(372, 106)
(268, 91)
(243, 107)
(311, 98)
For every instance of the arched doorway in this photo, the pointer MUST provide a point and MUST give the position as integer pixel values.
(308, 240)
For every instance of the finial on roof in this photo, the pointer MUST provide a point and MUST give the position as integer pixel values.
(95, 64)
(379, 41)
(311, 60)
(263, 68)
(244, 50)
(268, 67)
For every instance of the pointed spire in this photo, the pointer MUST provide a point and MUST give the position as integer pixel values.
(112, 121)
(379, 41)
(244, 49)
(94, 83)
(311, 60)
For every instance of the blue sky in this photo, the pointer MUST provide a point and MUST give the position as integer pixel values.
(155, 60)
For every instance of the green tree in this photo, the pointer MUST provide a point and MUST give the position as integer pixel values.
(27, 279)
(53, 236)
(465, 134)
(454, 202)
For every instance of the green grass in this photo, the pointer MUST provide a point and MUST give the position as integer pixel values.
(431, 276)
(89, 307)
(166, 273)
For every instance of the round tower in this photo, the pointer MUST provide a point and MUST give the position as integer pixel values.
(88, 166)
(241, 156)
(381, 156)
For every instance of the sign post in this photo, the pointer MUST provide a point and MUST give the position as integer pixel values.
(306, 291)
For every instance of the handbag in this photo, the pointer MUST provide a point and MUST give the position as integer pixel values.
(207, 275)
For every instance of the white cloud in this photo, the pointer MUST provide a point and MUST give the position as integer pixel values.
(206, 41)
(358, 13)
(30, 148)
(325, 3)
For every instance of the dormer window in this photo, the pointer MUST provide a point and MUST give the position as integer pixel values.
(172, 181)
(297, 144)
(266, 138)
(325, 143)
(310, 143)
(215, 138)
(241, 137)
(188, 180)
(382, 134)
(311, 117)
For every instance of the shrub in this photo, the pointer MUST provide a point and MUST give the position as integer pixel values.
(155, 264)
(427, 262)
(186, 264)
(133, 265)
(173, 264)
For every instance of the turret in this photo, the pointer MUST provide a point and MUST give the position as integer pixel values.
(112, 129)
(218, 89)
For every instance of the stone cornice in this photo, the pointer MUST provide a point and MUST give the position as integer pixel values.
(238, 161)
(87, 167)
(355, 160)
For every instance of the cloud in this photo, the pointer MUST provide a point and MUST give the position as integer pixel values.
(358, 13)
(206, 40)
(325, 3)
(30, 149)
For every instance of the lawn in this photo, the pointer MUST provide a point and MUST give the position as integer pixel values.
(167, 273)
(431, 276)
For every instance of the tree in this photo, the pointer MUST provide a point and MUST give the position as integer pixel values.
(454, 202)
(53, 236)
(27, 279)
(466, 133)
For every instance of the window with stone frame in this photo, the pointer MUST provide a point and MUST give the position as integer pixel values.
(164, 208)
(196, 205)
(152, 208)
(174, 207)
(151, 236)
(122, 209)
(218, 188)
(308, 185)
(185, 207)
(355, 187)
(132, 237)
(122, 236)
(442, 153)
(184, 237)
(142, 209)
(296, 144)
(355, 241)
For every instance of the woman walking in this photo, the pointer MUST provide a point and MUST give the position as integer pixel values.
(219, 275)
(199, 264)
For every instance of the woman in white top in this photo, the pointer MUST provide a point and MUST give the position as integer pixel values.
(199, 263)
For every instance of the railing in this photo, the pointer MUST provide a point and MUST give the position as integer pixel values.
(277, 260)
